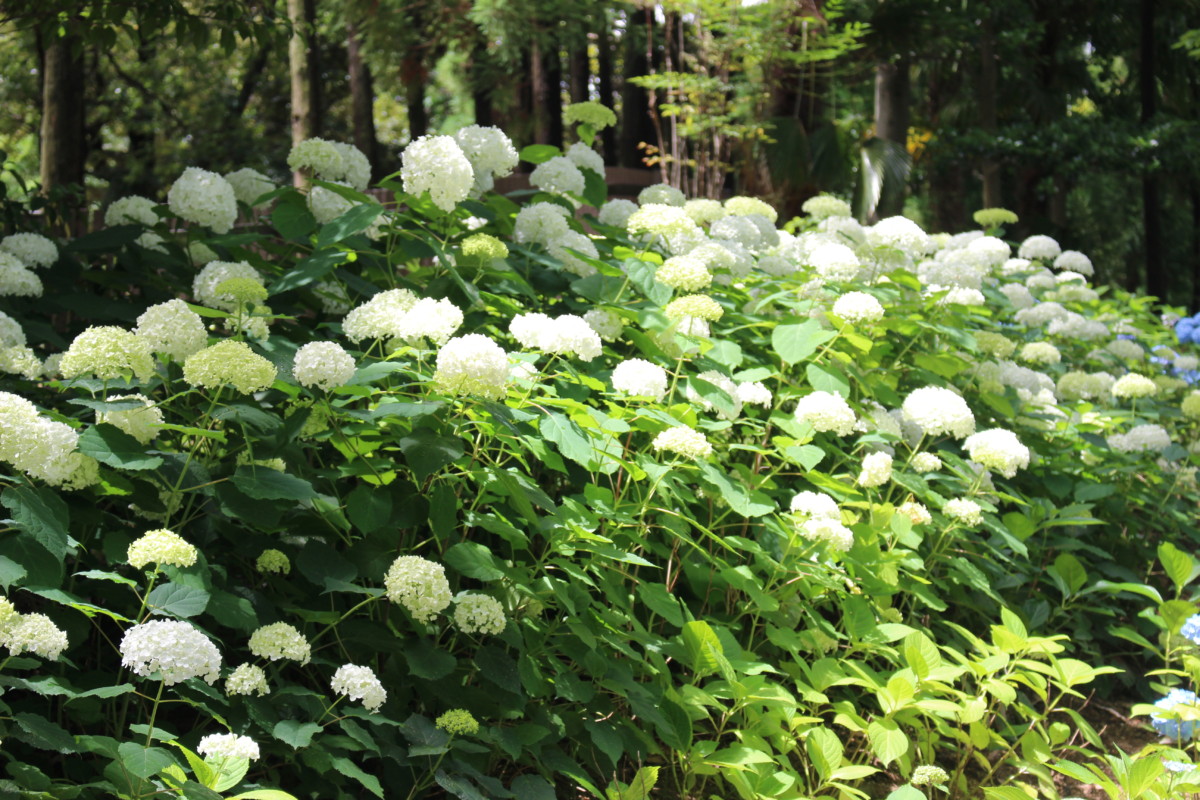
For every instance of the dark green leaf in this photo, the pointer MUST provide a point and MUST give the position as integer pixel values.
(539, 153)
(263, 483)
(110, 445)
(356, 219)
(143, 762)
(41, 513)
(308, 270)
(44, 734)
(474, 560)
(177, 600)
(426, 452)
(426, 660)
(297, 734)
(292, 218)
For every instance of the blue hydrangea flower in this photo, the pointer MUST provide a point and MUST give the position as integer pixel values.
(1178, 766)
(1191, 629)
(1170, 724)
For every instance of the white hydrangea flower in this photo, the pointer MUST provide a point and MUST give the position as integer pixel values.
(684, 441)
(247, 679)
(858, 307)
(608, 325)
(20, 360)
(925, 462)
(1132, 386)
(808, 504)
(356, 167)
(1141, 438)
(571, 240)
(333, 297)
(967, 512)
(32, 633)
(742, 230)
(989, 251)
(724, 384)
(939, 411)
(479, 613)
(228, 745)
(323, 365)
(359, 683)
(140, 423)
(704, 211)
(172, 329)
(107, 352)
(33, 249)
(318, 155)
(565, 335)
(876, 470)
(747, 206)
(830, 531)
(541, 223)
(586, 157)
(436, 164)
(11, 332)
(17, 280)
(162, 547)
(472, 365)
(39, 447)
(419, 585)
(1040, 353)
(824, 206)
(558, 175)
(1018, 295)
(684, 272)
(280, 640)
(204, 198)
(826, 412)
(1126, 349)
(1074, 261)
(131, 210)
(640, 378)
(834, 262)
(327, 205)
(917, 513)
(204, 285)
(755, 394)
(249, 185)
(661, 194)
(1041, 248)
(901, 233)
(617, 212)
(998, 449)
(490, 152)
(173, 649)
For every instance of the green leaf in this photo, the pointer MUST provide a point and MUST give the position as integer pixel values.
(263, 794)
(474, 560)
(539, 153)
(532, 787)
(369, 508)
(741, 500)
(1071, 572)
(263, 483)
(595, 190)
(143, 762)
(297, 734)
(641, 274)
(577, 444)
(198, 791)
(426, 452)
(661, 602)
(888, 742)
(358, 218)
(458, 786)
(44, 734)
(640, 787)
(1177, 564)
(110, 445)
(907, 793)
(921, 654)
(794, 343)
(307, 270)
(426, 660)
(41, 513)
(352, 770)
(1005, 793)
(177, 600)
(705, 651)
(806, 455)
(828, 379)
(10, 572)
(292, 219)
(228, 772)
(824, 750)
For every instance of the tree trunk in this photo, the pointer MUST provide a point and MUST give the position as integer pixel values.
(63, 138)
(481, 78)
(1156, 279)
(547, 94)
(988, 89)
(362, 98)
(893, 97)
(604, 45)
(302, 69)
(637, 126)
(554, 96)
(580, 71)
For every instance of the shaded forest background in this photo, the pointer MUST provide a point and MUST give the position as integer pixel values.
(1080, 115)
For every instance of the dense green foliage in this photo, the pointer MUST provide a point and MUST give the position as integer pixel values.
(671, 620)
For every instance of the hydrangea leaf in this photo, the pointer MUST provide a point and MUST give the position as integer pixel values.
(41, 513)
(110, 445)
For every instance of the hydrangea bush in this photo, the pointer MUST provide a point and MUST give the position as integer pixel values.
(453, 496)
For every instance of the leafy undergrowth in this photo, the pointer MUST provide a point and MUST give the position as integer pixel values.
(455, 496)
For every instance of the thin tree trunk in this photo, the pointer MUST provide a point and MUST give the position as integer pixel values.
(302, 68)
(554, 96)
(362, 97)
(63, 137)
(988, 89)
(893, 94)
(580, 71)
(607, 97)
(1156, 279)
(481, 78)
(254, 71)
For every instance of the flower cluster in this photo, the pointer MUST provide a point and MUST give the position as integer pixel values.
(175, 650)
(247, 679)
(457, 722)
(819, 519)
(826, 412)
(639, 378)
(30, 633)
(472, 365)
(684, 441)
(172, 329)
(998, 449)
(228, 745)
(359, 683)
(161, 547)
(229, 363)
(419, 585)
(323, 365)
(204, 198)
(479, 613)
(107, 352)
(436, 164)
(280, 640)
(565, 335)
